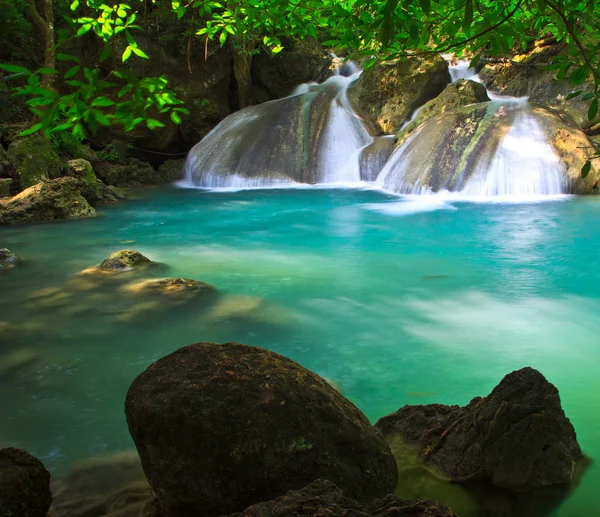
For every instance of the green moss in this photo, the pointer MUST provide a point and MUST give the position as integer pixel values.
(301, 445)
(35, 160)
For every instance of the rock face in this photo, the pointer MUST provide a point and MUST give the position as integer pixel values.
(34, 159)
(387, 93)
(221, 427)
(324, 498)
(6, 187)
(300, 62)
(24, 485)
(374, 157)
(456, 151)
(124, 260)
(171, 170)
(54, 199)
(92, 189)
(127, 173)
(518, 437)
(460, 93)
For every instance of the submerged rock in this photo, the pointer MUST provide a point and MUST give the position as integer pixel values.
(221, 427)
(54, 199)
(459, 93)
(7, 256)
(324, 498)
(34, 159)
(15, 361)
(493, 148)
(110, 486)
(388, 92)
(518, 437)
(247, 308)
(124, 260)
(175, 290)
(24, 485)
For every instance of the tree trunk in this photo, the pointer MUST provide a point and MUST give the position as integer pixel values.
(46, 25)
(242, 61)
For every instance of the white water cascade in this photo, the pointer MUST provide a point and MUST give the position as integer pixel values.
(507, 155)
(312, 136)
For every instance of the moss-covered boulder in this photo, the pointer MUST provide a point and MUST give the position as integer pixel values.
(92, 189)
(221, 427)
(24, 485)
(55, 199)
(174, 290)
(460, 93)
(34, 159)
(324, 498)
(6, 187)
(301, 61)
(127, 173)
(124, 260)
(7, 256)
(171, 170)
(517, 437)
(388, 92)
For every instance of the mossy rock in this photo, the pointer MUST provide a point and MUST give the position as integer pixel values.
(221, 427)
(35, 160)
(7, 256)
(387, 93)
(55, 199)
(92, 189)
(171, 170)
(173, 290)
(6, 187)
(124, 260)
(127, 173)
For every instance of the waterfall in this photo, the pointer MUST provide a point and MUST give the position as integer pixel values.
(498, 148)
(312, 136)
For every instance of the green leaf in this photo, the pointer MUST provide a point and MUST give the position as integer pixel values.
(175, 118)
(14, 69)
(223, 37)
(74, 5)
(593, 110)
(47, 71)
(127, 54)
(31, 130)
(84, 29)
(102, 102)
(139, 52)
(153, 123)
(106, 53)
(468, 19)
(585, 170)
(572, 95)
(541, 5)
(425, 5)
(66, 57)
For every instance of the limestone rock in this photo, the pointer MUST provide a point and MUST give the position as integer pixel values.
(6, 187)
(34, 159)
(518, 437)
(301, 61)
(221, 427)
(173, 290)
(324, 498)
(374, 157)
(171, 170)
(54, 199)
(127, 173)
(387, 93)
(7, 256)
(124, 260)
(24, 485)
(460, 93)
(92, 189)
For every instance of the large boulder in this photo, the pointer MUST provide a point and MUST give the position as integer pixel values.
(7, 256)
(374, 156)
(470, 150)
(54, 199)
(126, 173)
(459, 93)
(92, 189)
(324, 498)
(171, 170)
(389, 91)
(24, 485)
(35, 160)
(301, 61)
(517, 437)
(124, 260)
(6, 187)
(221, 427)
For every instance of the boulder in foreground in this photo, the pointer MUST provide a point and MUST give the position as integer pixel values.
(222, 427)
(24, 485)
(324, 498)
(517, 437)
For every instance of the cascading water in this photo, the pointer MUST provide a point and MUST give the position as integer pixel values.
(499, 148)
(312, 136)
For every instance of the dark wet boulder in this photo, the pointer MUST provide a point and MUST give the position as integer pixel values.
(324, 498)
(55, 199)
(126, 173)
(24, 485)
(34, 159)
(171, 170)
(374, 156)
(6, 186)
(7, 256)
(387, 93)
(517, 437)
(124, 260)
(222, 427)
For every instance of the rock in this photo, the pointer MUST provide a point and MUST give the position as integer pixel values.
(7, 256)
(301, 61)
(54, 199)
(34, 159)
(15, 361)
(455, 151)
(24, 485)
(375, 156)
(221, 427)
(247, 308)
(460, 93)
(387, 93)
(127, 173)
(92, 189)
(324, 498)
(109, 486)
(6, 187)
(171, 170)
(517, 438)
(174, 290)
(124, 260)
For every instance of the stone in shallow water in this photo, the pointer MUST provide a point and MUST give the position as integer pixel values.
(245, 308)
(14, 361)
(24, 485)
(221, 427)
(176, 289)
(517, 437)
(124, 260)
